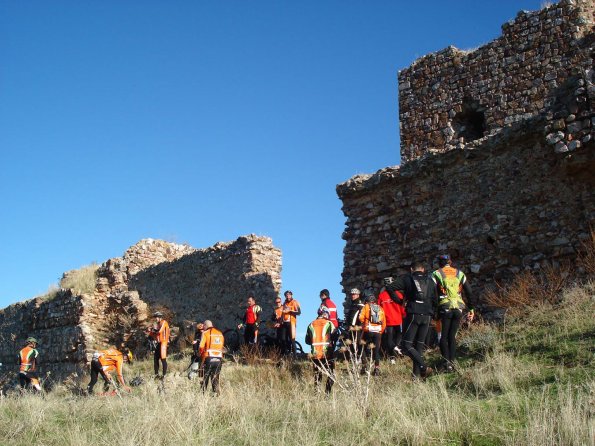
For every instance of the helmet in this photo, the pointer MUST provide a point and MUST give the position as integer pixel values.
(96, 356)
(322, 309)
(31, 340)
(325, 292)
(388, 280)
(370, 296)
(158, 314)
(287, 292)
(444, 257)
(355, 291)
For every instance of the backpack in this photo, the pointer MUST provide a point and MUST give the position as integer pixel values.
(422, 288)
(375, 314)
(450, 286)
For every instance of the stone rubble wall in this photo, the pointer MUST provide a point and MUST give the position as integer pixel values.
(186, 283)
(521, 195)
(542, 65)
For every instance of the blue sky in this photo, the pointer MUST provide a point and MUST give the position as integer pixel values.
(198, 122)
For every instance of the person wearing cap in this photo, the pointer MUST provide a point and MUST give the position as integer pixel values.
(329, 305)
(373, 323)
(392, 304)
(291, 310)
(318, 335)
(27, 360)
(277, 320)
(251, 321)
(451, 285)
(102, 363)
(211, 354)
(353, 323)
(160, 332)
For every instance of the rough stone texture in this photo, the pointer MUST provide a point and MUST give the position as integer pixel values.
(520, 195)
(542, 65)
(184, 282)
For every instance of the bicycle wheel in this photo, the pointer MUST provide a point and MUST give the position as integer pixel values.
(232, 340)
(298, 348)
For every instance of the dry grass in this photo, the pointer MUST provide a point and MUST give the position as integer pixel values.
(528, 383)
(80, 280)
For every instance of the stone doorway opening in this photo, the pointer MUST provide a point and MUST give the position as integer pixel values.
(470, 122)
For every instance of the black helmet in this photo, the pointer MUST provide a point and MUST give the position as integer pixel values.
(288, 292)
(370, 296)
(325, 292)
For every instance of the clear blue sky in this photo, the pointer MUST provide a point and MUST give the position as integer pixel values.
(198, 122)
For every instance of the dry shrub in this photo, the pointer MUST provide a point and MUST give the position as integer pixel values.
(80, 280)
(530, 290)
(586, 256)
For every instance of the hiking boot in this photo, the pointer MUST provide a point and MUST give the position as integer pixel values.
(376, 371)
(398, 351)
(449, 368)
(427, 372)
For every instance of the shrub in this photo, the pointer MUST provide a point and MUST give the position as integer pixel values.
(80, 280)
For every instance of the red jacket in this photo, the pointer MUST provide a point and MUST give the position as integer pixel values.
(392, 310)
(332, 310)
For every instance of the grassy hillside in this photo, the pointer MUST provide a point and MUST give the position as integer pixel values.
(530, 381)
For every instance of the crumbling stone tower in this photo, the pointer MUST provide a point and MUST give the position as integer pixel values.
(497, 152)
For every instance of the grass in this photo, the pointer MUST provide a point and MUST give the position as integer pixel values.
(80, 280)
(529, 381)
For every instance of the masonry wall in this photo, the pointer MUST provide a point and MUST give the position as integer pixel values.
(450, 98)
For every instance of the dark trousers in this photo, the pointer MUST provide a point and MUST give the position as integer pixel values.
(25, 379)
(212, 369)
(287, 336)
(373, 341)
(250, 334)
(416, 331)
(279, 337)
(392, 338)
(157, 357)
(328, 365)
(97, 370)
(451, 320)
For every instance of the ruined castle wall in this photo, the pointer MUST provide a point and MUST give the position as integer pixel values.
(509, 205)
(452, 97)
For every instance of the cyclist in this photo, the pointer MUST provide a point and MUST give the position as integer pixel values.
(329, 305)
(104, 362)
(277, 319)
(318, 335)
(391, 303)
(160, 333)
(452, 284)
(291, 309)
(251, 321)
(353, 322)
(373, 323)
(421, 300)
(27, 360)
(211, 353)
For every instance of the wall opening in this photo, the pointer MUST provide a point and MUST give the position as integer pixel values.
(470, 122)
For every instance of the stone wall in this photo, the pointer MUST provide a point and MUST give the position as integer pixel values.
(184, 282)
(517, 195)
(450, 98)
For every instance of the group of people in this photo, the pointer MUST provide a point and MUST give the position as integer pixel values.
(397, 319)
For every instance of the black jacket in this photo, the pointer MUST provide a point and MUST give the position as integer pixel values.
(422, 301)
(353, 314)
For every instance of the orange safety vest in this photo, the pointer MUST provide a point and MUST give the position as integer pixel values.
(27, 357)
(163, 334)
(370, 326)
(320, 333)
(292, 305)
(111, 360)
(211, 344)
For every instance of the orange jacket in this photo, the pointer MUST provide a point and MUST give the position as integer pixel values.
(367, 325)
(162, 334)
(112, 360)
(28, 359)
(318, 336)
(288, 308)
(211, 344)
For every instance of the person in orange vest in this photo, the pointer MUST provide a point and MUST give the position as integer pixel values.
(27, 358)
(211, 354)
(251, 321)
(160, 332)
(291, 309)
(318, 335)
(277, 319)
(104, 362)
(373, 324)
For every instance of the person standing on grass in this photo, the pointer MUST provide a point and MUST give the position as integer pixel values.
(421, 300)
(318, 335)
(160, 332)
(353, 323)
(373, 323)
(104, 362)
(391, 303)
(27, 360)
(277, 319)
(211, 354)
(452, 284)
(251, 321)
(291, 310)
(329, 305)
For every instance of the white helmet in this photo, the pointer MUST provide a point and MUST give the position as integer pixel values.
(355, 291)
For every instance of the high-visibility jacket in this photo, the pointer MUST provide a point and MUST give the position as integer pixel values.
(332, 310)
(367, 324)
(288, 307)
(450, 282)
(278, 314)
(163, 333)
(111, 360)
(318, 336)
(252, 314)
(211, 344)
(27, 359)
